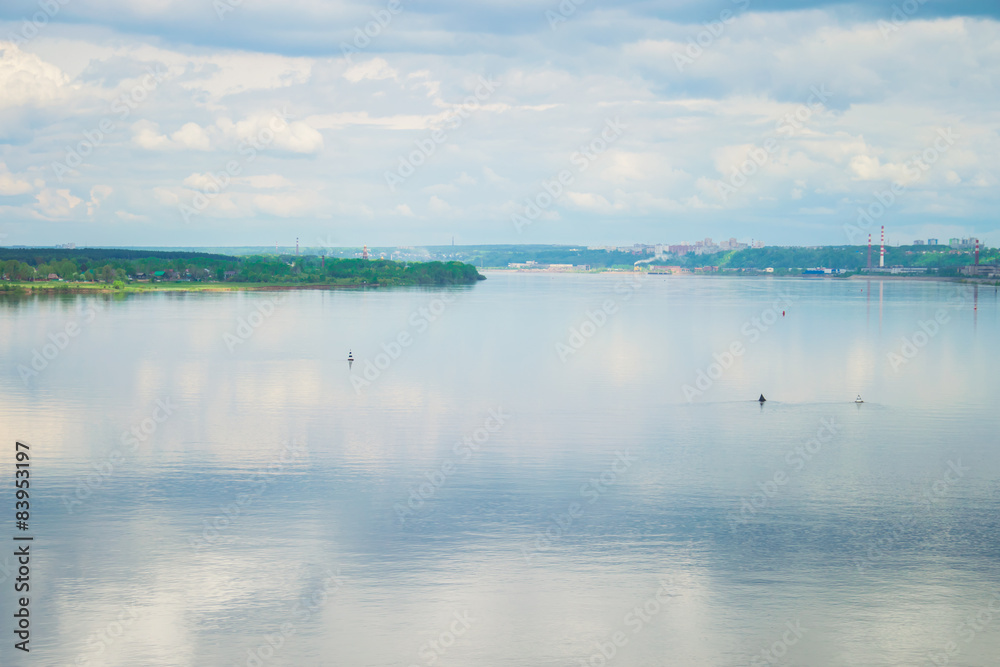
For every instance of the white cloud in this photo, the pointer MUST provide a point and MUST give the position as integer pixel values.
(12, 185)
(27, 80)
(374, 69)
(287, 205)
(685, 132)
(56, 203)
(98, 194)
(145, 134)
(438, 206)
(192, 135)
(130, 217)
(265, 181)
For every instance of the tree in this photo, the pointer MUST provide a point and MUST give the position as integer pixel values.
(107, 273)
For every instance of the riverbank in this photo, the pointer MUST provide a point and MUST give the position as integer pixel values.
(91, 288)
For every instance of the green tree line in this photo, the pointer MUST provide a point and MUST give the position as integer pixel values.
(89, 265)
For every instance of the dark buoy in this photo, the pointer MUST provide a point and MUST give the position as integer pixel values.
(761, 399)
(350, 359)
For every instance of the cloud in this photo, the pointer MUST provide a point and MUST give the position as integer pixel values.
(56, 203)
(259, 132)
(12, 185)
(26, 80)
(265, 181)
(145, 134)
(98, 194)
(192, 135)
(130, 217)
(374, 69)
(438, 206)
(287, 205)
(312, 135)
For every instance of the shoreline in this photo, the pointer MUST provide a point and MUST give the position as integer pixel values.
(742, 276)
(90, 288)
(85, 288)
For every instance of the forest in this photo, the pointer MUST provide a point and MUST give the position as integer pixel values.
(119, 267)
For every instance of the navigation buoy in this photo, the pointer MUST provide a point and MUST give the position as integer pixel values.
(858, 399)
(350, 359)
(761, 399)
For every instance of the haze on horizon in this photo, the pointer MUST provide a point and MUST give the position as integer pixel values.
(822, 104)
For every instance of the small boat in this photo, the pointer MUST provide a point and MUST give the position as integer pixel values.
(858, 399)
(761, 399)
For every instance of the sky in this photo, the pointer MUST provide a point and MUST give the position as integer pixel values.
(415, 122)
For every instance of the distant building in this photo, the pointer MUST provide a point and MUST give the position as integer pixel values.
(932, 241)
(918, 242)
(981, 271)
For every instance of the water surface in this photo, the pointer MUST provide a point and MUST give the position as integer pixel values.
(521, 479)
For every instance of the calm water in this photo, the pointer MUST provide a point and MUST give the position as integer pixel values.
(503, 491)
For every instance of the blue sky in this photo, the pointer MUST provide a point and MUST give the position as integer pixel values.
(245, 122)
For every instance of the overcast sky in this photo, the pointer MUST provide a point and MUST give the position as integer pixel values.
(409, 122)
